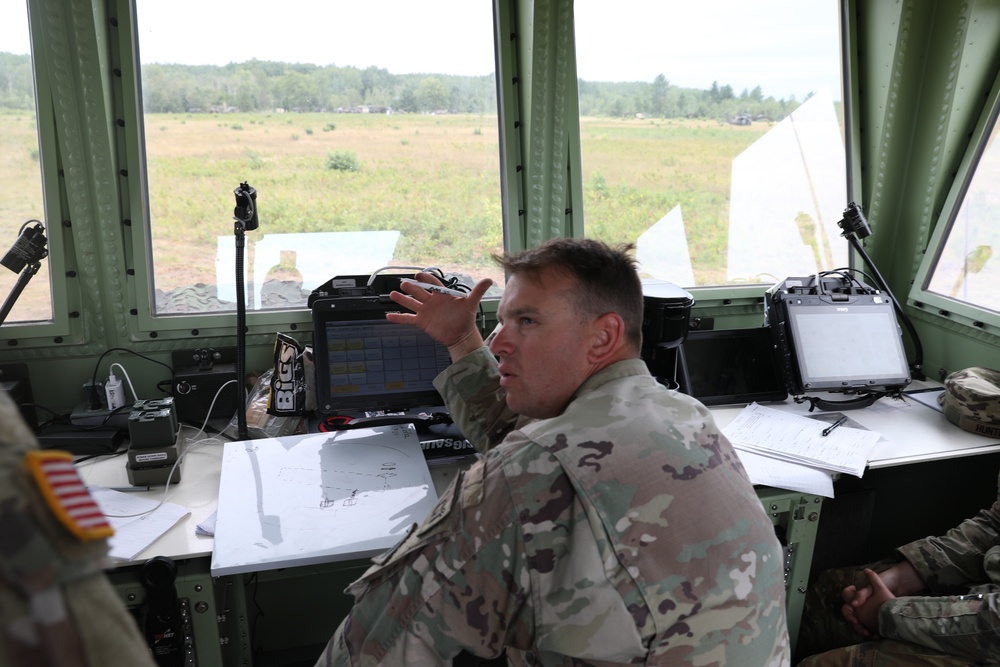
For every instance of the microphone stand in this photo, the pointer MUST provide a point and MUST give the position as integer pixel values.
(245, 216)
(22, 282)
(856, 227)
(24, 257)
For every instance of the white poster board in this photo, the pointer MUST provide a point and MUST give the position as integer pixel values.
(317, 498)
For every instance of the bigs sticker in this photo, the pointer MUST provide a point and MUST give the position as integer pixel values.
(66, 494)
(288, 381)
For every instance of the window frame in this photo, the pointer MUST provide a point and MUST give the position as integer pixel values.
(65, 300)
(180, 325)
(938, 307)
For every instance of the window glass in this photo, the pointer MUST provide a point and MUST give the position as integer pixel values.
(368, 130)
(965, 270)
(712, 136)
(26, 295)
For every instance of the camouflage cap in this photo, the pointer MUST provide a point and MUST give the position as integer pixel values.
(971, 400)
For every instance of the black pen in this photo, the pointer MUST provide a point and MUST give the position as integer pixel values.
(829, 429)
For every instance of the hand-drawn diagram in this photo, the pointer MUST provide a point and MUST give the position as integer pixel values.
(317, 498)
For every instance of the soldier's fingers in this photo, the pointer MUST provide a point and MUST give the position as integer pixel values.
(877, 585)
(862, 596)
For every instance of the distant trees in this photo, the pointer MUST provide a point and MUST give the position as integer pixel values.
(17, 88)
(257, 85)
(432, 96)
(660, 99)
(265, 86)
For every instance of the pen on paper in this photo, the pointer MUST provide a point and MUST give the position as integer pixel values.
(829, 429)
(130, 489)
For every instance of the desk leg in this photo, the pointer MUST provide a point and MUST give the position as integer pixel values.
(795, 517)
(214, 610)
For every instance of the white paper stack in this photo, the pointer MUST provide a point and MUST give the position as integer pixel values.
(794, 439)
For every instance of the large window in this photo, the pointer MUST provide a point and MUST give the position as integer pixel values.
(965, 269)
(712, 136)
(368, 130)
(26, 295)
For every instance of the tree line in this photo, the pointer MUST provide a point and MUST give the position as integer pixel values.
(266, 86)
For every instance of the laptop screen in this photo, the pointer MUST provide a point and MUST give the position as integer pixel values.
(847, 345)
(364, 362)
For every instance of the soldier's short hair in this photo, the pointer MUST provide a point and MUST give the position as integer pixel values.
(606, 277)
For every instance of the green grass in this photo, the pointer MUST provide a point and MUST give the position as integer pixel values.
(434, 178)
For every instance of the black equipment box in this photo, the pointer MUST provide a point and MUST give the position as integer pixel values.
(373, 288)
(834, 334)
(666, 311)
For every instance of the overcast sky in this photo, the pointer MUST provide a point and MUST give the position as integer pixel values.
(692, 43)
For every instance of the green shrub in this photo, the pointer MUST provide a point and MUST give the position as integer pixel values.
(343, 161)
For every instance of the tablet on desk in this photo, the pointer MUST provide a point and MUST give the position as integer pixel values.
(731, 367)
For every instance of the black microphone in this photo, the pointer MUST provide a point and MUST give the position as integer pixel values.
(246, 206)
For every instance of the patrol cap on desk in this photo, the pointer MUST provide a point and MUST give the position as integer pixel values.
(971, 400)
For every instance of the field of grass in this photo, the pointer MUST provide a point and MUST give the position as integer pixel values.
(21, 201)
(636, 171)
(433, 178)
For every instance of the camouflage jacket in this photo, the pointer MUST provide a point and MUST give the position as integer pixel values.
(961, 614)
(622, 532)
(56, 606)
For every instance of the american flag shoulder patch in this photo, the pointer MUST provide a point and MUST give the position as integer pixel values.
(66, 494)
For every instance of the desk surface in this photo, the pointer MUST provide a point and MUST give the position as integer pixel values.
(913, 433)
(198, 491)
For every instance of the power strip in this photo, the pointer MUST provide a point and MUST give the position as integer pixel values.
(81, 441)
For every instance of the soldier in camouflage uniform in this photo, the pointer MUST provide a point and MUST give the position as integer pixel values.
(937, 602)
(608, 521)
(57, 609)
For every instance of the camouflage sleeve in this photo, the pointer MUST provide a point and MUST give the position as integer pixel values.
(471, 390)
(426, 599)
(957, 560)
(965, 626)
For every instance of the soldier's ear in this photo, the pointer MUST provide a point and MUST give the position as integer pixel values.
(607, 338)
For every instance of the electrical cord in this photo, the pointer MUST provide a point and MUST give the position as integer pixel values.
(451, 283)
(95, 399)
(847, 273)
(191, 447)
(57, 417)
(211, 406)
(135, 396)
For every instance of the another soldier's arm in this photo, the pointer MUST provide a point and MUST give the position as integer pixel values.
(955, 560)
(950, 563)
(964, 626)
